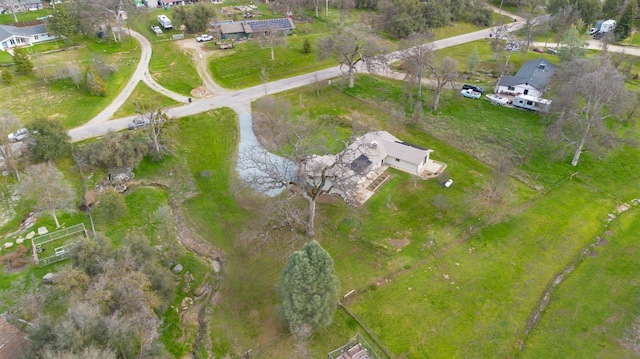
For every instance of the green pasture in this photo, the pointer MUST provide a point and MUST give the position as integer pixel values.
(7, 19)
(143, 95)
(60, 99)
(591, 311)
(174, 68)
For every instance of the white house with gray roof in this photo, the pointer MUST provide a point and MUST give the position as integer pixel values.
(14, 36)
(350, 172)
(532, 79)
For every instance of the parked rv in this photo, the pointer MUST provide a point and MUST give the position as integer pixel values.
(531, 103)
(165, 22)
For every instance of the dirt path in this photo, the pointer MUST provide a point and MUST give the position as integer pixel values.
(201, 55)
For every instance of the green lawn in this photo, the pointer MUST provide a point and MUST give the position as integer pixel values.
(7, 19)
(143, 95)
(241, 67)
(60, 99)
(591, 310)
(173, 68)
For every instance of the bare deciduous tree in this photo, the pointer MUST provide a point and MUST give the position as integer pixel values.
(418, 54)
(444, 72)
(11, 6)
(271, 40)
(298, 168)
(343, 5)
(589, 91)
(46, 185)
(156, 119)
(352, 46)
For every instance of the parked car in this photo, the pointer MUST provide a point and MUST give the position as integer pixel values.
(598, 35)
(157, 30)
(473, 87)
(204, 37)
(593, 30)
(471, 94)
(551, 50)
(138, 122)
(19, 135)
(538, 49)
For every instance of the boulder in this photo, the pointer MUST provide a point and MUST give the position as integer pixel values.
(30, 235)
(7, 245)
(20, 240)
(216, 266)
(49, 278)
(177, 268)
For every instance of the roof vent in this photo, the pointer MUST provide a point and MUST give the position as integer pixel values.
(542, 66)
(373, 144)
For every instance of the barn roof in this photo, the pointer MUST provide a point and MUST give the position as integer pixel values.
(251, 26)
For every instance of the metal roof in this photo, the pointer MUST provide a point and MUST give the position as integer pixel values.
(536, 73)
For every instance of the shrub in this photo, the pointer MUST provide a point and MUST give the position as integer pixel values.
(94, 83)
(306, 46)
(7, 76)
(16, 259)
(111, 206)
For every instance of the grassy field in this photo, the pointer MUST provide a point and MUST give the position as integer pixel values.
(60, 99)
(592, 308)
(173, 68)
(7, 19)
(143, 94)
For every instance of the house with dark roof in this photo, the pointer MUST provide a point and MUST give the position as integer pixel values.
(13, 342)
(245, 29)
(14, 36)
(532, 79)
(351, 173)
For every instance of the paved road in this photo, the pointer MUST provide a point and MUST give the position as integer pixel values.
(240, 100)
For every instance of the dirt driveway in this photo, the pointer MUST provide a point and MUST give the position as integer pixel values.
(201, 54)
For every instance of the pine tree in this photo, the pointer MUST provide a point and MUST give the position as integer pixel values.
(625, 25)
(22, 61)
(309, 290)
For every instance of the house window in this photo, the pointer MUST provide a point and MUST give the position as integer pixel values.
(35, 37)
(529, 103)
(511, 88)
(526, 92)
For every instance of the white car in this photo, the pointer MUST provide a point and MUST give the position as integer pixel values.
(19, 135)
(593, 30)
(205, 37)
(138, 122)
(471, 94)
(157, 30)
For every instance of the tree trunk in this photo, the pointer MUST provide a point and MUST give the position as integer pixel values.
(312, 216)
(342, 17)
(15, 17)
(436, 98)
(55, 218)
(576, 156)
(352, 75)
(419, 87)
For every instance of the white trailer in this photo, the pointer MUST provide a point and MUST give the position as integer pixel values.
(165, 22)
(531, 103)
(607, 26)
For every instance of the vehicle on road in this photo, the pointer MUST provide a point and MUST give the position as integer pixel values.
(248, 15)
(512, 46)
(598, 35)
(204, 37)
(156, 29)
(497, 99)
(473, 87)
(551, 50)
(137, 123)
(471, 94)
(538, 49)
(19, 135)
(593, 30)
